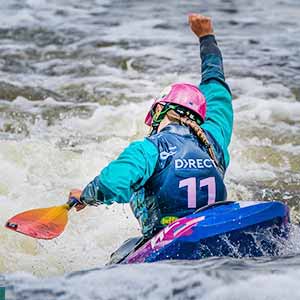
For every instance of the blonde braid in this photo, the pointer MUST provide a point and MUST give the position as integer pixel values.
(184, 120)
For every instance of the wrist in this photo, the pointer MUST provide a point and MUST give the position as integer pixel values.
(86, 200)
(91, 195)
(209, 46)
(207, 37)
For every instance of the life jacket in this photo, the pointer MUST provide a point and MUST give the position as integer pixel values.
(185, 178)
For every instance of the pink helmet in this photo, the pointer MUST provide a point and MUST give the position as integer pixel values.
(183, 94)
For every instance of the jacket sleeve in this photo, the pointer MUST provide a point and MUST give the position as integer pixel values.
(219, 114)
(121, 177)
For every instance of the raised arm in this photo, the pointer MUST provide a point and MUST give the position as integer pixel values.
(219, 116)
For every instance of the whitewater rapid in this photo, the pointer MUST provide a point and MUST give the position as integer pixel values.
(76, 80)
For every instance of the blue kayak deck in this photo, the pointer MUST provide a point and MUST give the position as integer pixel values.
(235, 229)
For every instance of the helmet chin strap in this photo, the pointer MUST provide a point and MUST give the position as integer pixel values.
(157, 118)
(152, 131)
(155, 123)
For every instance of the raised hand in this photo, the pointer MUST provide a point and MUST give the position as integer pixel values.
(201, 25)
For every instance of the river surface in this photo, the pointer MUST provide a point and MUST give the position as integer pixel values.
(76, 80)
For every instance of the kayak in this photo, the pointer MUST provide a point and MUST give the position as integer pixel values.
(226, 228)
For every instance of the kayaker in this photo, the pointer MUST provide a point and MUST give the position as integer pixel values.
(180, 166)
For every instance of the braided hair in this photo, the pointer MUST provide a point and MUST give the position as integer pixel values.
(174, 116)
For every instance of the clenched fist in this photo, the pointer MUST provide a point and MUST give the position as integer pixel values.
(201, 25)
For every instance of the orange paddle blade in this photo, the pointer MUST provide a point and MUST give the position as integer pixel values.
(43, 223)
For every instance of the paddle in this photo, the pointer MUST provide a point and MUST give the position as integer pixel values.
(43, 223)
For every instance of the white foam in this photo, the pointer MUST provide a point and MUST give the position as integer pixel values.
(39, 172)
(36, 173)
(162, 281)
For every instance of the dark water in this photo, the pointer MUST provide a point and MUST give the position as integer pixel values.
(76, 79)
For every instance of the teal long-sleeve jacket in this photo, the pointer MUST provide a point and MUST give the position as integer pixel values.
(135, 165)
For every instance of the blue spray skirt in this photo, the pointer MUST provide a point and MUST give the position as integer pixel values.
(226, 228)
